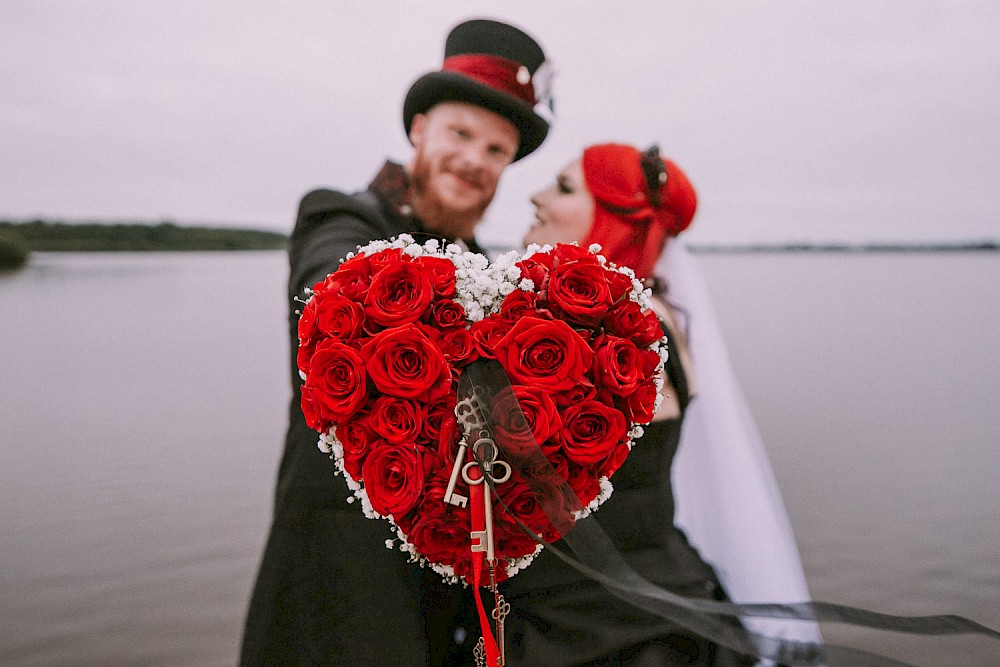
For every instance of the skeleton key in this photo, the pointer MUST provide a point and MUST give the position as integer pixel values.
(449, 495)
(470, 415)
(500, 611)
(486, 460)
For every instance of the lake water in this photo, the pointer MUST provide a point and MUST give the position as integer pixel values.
(143, 408)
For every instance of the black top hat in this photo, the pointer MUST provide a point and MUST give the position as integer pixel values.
(492, 65)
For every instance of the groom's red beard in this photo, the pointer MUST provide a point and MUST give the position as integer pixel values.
(439, 217)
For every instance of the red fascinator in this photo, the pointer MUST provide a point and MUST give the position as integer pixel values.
(641, 200)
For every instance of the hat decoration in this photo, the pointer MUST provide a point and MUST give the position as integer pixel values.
(655, 172)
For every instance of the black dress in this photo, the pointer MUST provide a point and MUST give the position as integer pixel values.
(559, 617)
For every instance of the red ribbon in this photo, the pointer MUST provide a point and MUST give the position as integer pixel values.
(495, 72)
(477, 499)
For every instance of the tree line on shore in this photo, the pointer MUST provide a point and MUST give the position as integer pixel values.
(931, 246)
(19, 239)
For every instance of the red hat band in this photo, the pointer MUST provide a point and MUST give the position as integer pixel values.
(504, 75)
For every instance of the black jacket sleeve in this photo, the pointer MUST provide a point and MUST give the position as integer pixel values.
(330, 225)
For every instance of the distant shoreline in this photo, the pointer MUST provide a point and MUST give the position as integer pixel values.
(49, 236)
(59, 236)
(959, 246)
(733, 249)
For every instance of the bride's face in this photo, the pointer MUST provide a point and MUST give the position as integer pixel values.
(564, 211)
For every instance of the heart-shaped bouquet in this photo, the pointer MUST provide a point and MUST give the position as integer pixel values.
(385, 339)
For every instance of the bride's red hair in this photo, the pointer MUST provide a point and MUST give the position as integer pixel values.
(639, 204)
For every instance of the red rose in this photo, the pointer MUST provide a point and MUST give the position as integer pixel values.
(591, 430)
(578, 392)
(316, 415)
(648, 362)
(337, 380)
(570, 252)
(432, 334)
(437, 413)
(394, 478)
(544, 353)
(617, 365)
(357, 439)
(350, 280)
(536, 269)
(403, 362)
(579, 292)
(639, 405)
(651, 331)
(558, 463)
(441, 272)
(339, 317)
(429, 456)
(517, 304)
(615, 459)
(309, 336)
(440, 531)
(548, 470)
(618, 285)
(512, 541)
(387, 257)
(625, 320)
(303, 358)
(459, 347)
(398, 294)
(487, 332)
(584, 483)
(524, 417)
(307, 329)
(447, 441)
(531, 506)
(446, 314)
(397, 419)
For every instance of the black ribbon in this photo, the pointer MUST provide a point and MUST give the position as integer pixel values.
(598, 559)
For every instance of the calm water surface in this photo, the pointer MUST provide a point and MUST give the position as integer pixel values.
(144, 399)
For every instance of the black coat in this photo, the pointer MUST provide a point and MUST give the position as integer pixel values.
(328, 591)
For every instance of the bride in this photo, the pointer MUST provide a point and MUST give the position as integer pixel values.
(696, 510)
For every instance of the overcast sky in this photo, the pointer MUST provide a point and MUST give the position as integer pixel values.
(795, 119)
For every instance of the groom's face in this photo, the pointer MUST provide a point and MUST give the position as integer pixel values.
(460, 152)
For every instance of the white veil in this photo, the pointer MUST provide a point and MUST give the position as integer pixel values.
(727, 500)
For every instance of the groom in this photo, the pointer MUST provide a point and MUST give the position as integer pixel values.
(328, 590)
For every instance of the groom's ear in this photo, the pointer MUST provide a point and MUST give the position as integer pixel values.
(418, 130)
